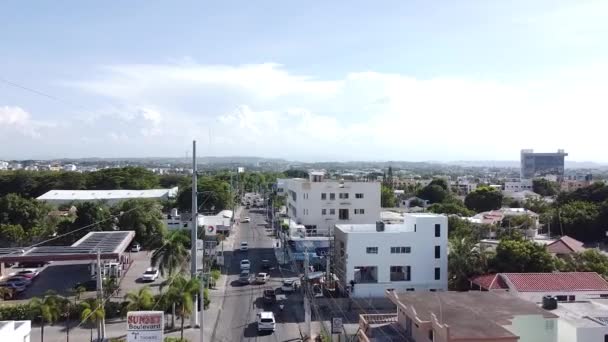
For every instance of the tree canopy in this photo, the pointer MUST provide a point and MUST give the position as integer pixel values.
(545, 187)
(483, 198)
(433, 193)
(213, 195)
(296, 173)
(521, 256)
(387, 197)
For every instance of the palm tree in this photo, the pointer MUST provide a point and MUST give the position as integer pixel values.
(464, 262)
(173, 253)
(48, 309)
(182, 292)
(143, 299)
(92, 312)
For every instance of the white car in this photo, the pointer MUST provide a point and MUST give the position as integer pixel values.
(246, 220)
(266, 321)
(289, 285)
(28, 273)
(245, 264)
(262, 278)
(151, 274)
(244, 246)
(136, 248)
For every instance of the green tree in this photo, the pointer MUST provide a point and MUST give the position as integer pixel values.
(521, 256)
(92, 215)
(433, 193)
(579, 220)
(442, 182)
(213, 195)
(182, 292)
(464, 262)
(143, 216)
(122, 178)
(25, 212)
(92, 312)
(387, 197)
(296, 173)
(450, 208)
(484, 198)
(545, 187)
(537, 205)
(173, 253)
(590, 260)
(139, 300)
(12, 235)
(47, 309)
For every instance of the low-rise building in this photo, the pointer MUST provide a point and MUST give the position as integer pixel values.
(582, 321)
(459, 316)
(518, 185)
(565, 245)
(565, 286)
(18, 331)
(111, 197)
(411, 256)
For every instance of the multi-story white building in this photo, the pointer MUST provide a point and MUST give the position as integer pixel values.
(411, 256)
(518, 185)
(319, 204)
(69, 167)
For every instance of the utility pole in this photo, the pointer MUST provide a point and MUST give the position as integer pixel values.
(194, 233)
(304, 286)
(101, 326)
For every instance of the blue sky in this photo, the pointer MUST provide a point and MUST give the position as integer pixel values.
(317, 80)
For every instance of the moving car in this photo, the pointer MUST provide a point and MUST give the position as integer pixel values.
(244, 277)
(89, 285)
(246, 220)
(266, 321)
(270, 296)
(244, 246)
(27, 273)
(245, 264)
(289, 285)
(135, 248)
(261, 278)
(151, 274)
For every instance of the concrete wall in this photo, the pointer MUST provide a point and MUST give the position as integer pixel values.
(309, 204)
(537, 297)
(534, 328)
(570, 333)
(15, 331)
(421, 259)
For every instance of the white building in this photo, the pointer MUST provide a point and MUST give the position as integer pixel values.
(520, 185)
(111, 197)
(17, 331)
(411, 256)
(3, 165)
(69, 167)
(582, 321)
(319, 204)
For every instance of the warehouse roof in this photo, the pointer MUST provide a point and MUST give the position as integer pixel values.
(93, 195)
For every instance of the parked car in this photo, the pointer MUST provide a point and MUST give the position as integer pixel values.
(27, 281)
(289, 285)
(266, 321)
(245, 264)
(17, 287)
(151, 274)
(89, 285)
(244, 246)
(246, 220)
(135, 248)
(270, 296)
(28, 273)
(244, 277)
(262, 278)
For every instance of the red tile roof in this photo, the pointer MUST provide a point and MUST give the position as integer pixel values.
(490, 282)
(565, 245)
(560, 281)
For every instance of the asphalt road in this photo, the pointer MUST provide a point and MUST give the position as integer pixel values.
(237, 321)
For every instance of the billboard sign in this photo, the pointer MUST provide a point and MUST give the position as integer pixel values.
(145, 326)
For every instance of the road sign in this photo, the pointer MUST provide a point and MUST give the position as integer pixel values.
(336, 325)
(145, 326)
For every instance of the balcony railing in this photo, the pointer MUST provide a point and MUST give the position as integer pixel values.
(381, 327)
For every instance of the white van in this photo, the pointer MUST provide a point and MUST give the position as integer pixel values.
(266, 321)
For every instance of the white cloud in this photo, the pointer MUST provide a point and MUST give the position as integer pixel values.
(17, 119)
(266, 110)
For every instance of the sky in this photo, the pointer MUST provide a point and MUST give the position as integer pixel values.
(310, 80)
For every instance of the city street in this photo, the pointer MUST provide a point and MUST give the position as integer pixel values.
(237, 320)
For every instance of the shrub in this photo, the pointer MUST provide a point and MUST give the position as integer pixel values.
(16, 312)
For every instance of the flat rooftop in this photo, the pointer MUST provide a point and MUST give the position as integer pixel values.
(95, 195)
(110, 245)
(472, 314)
(589, 314)
(371, 228)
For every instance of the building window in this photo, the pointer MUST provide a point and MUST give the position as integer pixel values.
(571, 298)
(343, 214)
(366, 274)
(371, 250)
(437, 230)
(332, 196)
(323, 211)
(401, 250)
(410, 289)
(332, 211)
(400, 273)
(437, 252)
(359, 211)
(323, 196)
(437, 273)
(358, 195)
(343, 195)
(561, 298)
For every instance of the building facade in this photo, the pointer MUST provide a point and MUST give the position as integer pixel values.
(411, 256)
(319, 204)
(542, 164)
(18, 331)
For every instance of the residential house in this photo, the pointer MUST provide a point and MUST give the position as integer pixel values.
(565, 245)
